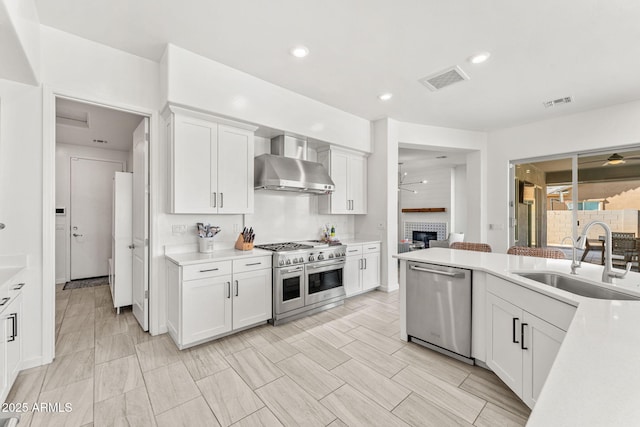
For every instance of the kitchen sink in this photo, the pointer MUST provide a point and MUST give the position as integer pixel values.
(576, 286)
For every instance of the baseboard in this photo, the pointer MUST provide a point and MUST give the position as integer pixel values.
(387, 288)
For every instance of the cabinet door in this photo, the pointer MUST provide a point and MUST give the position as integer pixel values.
(339, 175)
(371, 271)
(504, 355)
(542, 341)
(352, 276)
(235, 170)
(252, 298)
(357, 189)
(206, 308)
(13, 332)
(194, 150)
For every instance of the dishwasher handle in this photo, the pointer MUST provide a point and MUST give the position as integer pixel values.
(443, 273)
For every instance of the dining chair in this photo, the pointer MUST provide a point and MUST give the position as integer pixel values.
(536, 252)
(469, 246)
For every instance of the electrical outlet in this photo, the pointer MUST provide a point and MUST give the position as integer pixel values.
(496, 226)
(179, 229)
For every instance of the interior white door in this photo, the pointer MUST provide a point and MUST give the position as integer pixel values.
(140, 253)
(91, 207)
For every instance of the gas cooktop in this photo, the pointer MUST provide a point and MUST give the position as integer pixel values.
(293, 246)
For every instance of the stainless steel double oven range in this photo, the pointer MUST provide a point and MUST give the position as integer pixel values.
(307, 278)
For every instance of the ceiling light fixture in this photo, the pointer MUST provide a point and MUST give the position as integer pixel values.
(479, 57)
(401, 183)
(385, 96)
(299, 51)
(614, 159)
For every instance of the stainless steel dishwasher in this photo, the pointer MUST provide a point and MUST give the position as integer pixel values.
(439, 308)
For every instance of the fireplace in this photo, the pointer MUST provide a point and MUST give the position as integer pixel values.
(424, 236)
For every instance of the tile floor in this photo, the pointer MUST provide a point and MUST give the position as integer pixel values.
(345, 366)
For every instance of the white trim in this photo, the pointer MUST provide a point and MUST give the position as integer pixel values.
(202, 115)
(49, 96)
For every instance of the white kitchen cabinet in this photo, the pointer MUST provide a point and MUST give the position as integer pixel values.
(211, 164)
(211, 299)
(10, 339)
(524, 331)
(362, 268)
(348, 170)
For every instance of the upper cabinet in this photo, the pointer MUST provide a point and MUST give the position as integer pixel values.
(348, 170)
(211, 164)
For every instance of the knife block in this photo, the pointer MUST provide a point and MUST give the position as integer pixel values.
(242, 246)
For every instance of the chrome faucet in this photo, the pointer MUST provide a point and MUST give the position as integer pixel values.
(575, 264)
(607, 274)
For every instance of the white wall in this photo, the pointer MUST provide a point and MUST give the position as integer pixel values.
(211, 86)
(459, 202)
(64, 152)
(19, 41)
(599, 129)
(436, 193)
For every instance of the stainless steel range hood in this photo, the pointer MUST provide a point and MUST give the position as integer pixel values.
(288, 170)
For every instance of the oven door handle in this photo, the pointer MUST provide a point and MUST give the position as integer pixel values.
(295, 270)
(324, 265)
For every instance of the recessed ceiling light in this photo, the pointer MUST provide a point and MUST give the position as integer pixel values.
(299, 51)
(479, 57)
(385, 96)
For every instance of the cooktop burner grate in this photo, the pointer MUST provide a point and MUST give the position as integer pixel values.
(284, 247)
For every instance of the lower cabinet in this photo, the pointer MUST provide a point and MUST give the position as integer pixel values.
(10, 339)
(521, 346)
(362, 268)
(213, 299)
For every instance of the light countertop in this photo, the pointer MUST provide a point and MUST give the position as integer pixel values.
(7, 273)
(191, 258)
(359, 241)
(595, 378)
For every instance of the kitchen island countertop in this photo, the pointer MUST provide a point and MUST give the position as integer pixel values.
(595, 378)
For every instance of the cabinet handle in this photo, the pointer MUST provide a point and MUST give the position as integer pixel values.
(237, 287)
(18, 286)
(211, 269)
(360, 264)
(4, 301)
(353, 250)
(214, 199)
(228, 289)
(351, 201)
(222, 200)
(365, 263)
(514, 337)
(253, 263)
(14, 326)
(348, 204)
(375, 247)
(522, 325)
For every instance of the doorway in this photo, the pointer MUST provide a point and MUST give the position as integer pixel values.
(93, 143)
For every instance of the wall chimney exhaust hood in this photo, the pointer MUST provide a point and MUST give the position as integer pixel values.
(288, 170)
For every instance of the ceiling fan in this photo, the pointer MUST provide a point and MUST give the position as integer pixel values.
(615, 159)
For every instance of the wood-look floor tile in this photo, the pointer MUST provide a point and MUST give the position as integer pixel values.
(254, 368)
(313, 378)
(111, 326)
(170, 386)
(375, 359)
(355, 409)
(76, 323)
(129, 409)
(291, 404)
(69, 368)
(157, 352)
(320, 352)
(271, 345)
(26, 389)
(376, 340)
(289, 332)
(117, 377)
(79, 309)
(441, 393)
(261, 418)
(114, 347)
(229, 396)
(231, 344)
(105, 312)
(203, 360)
(103, 297)
(306, 323)
(493, 415)
(497, 392)
(434, 363)
(195, 412)
(78, 394)
(337, 423)
(83, 296)
(73, 342)
(419, 412)
(370, 383)
(330, 336)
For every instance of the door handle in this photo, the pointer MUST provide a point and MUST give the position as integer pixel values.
(132, 246)
(522, 326)
(514, 337)
(237, 287)
(77, 235)
(214, 199)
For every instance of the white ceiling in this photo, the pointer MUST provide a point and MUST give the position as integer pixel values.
(115, 127)
(541, 50)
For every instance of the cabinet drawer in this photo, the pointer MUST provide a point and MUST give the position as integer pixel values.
(251, 264)
(370, 248)
(354, 250)
(209, 269)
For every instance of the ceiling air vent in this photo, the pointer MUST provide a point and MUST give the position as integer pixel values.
(444, 78)
(559, 101)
